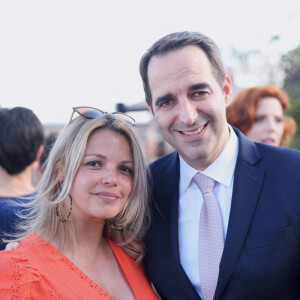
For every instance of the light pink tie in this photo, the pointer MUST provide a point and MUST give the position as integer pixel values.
(211, 237)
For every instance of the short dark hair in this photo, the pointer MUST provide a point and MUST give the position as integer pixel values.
(175, 41)
(21, 135)
(49, 141)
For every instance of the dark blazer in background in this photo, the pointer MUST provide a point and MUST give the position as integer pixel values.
(261, 257)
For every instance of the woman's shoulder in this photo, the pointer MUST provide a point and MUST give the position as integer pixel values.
(20, 255)
(19, 277)
(28, 252)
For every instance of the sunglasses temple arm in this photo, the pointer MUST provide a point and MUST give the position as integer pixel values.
(71, 116)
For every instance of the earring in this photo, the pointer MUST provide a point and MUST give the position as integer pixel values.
(114, 226)
(69, 214)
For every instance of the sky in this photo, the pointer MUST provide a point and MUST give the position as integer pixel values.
(58, 54)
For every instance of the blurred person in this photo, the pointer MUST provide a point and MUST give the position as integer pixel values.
(49, 141)
(225, 216)
(21, 145)
(258, 112)
(81, 238)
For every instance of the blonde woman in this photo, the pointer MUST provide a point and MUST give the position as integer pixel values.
(81, 238)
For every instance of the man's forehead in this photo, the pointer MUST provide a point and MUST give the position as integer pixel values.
(188, 63)
(184, 53)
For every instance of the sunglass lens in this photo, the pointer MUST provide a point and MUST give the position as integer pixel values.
(90, 113)
(125, 117)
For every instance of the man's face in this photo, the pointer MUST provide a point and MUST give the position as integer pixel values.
(189, 105)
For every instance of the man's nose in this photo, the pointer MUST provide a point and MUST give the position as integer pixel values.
(187, 112)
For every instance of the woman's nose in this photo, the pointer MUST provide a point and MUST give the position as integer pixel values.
(109, 177)
(271, 124)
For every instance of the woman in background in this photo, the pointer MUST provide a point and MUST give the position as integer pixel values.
(81, 237)
(258, 112)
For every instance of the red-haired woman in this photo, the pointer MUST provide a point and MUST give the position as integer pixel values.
(258, 112)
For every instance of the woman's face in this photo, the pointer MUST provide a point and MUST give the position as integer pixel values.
(104, 179)
(268, 125)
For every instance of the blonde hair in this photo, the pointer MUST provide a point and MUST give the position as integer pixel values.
(63, 162)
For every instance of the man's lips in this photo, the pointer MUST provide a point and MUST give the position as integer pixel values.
(193, 132)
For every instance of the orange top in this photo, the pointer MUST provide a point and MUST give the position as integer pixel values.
(35, 271)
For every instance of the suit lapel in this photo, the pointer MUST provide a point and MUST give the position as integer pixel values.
(169, 195)
(169, 207)
(248, 181)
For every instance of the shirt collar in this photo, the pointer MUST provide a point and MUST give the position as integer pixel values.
(221, 170)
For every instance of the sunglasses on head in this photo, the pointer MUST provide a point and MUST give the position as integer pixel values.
(95, 113)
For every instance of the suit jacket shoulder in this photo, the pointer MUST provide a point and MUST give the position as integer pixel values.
(263, 236)
(261, 254)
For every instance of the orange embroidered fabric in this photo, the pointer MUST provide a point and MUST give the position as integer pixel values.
(36, 271)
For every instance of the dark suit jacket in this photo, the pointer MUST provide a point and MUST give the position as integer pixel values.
(261, 257)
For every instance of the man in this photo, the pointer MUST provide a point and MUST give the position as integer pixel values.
(21, 145)
(240, 239)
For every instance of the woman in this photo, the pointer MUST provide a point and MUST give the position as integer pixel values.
(258, 113)
(82, 233)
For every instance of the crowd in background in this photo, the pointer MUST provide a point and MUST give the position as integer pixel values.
(44, 179)
(258, 112)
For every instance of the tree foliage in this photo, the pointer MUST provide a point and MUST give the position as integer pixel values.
(290, 64)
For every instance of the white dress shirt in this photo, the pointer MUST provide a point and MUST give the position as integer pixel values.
(190, 202)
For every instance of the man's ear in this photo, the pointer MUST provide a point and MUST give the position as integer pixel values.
(227, 91)
(150, 108)
(39, 153)
(36, 163)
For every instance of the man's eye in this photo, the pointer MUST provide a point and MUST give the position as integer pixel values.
(165, 103)
(200, 93)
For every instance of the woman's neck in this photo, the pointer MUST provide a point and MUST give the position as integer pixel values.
(90, 235)
(89, 240)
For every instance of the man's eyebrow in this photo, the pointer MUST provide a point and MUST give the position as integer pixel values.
(199, 86)
(193, 87)
(162, 99)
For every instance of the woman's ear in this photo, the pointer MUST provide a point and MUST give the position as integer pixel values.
(61, 173)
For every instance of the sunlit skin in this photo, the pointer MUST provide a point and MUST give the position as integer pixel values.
(104, 179)
(100, 190)
(189, 105)
(268, 125)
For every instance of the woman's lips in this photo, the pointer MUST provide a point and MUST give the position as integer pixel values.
(269, 141)
(110, 197)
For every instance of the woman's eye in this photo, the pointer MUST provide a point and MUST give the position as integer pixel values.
(278, 120)
(258, 119)
(95, 164)
(127, 170)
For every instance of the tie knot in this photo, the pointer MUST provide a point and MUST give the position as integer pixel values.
(204, 183)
